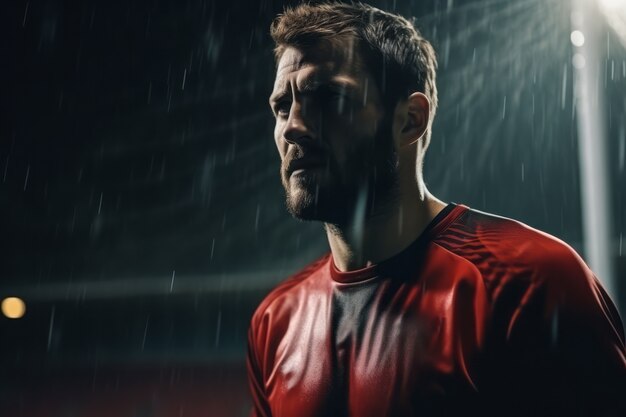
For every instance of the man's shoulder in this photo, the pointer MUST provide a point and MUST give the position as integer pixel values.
(285, 294)
(510, 253)
(501, 241)
(526, 269)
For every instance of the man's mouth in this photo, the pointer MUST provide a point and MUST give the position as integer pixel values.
(304, 164)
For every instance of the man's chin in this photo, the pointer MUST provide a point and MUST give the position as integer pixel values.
(323, 207)
(303, 206)
(314, 214)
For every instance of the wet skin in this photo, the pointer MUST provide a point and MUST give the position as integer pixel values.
(330, 133)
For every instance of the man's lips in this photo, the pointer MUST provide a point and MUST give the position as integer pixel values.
(304, 164)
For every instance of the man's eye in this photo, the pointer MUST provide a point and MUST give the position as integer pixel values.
(282, 108)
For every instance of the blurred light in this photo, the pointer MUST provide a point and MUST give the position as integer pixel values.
(578, 61)
(612, 4)
(615, 13)
(592, 142)
(576, 18)
(577, 38)
(13, 307)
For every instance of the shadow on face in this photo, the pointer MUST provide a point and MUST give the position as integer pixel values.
(332, 134)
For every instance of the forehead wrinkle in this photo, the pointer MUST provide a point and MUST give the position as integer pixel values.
(308, 80)
(324, 54)
(311, 79)
(303, 80)
(325, 69)
(290, 67)
(295, 62)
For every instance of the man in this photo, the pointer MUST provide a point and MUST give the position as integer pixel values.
(421, 308)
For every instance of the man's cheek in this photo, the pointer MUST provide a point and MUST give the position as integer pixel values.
(281, 145)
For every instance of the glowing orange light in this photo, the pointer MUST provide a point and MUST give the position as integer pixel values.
(13, 307)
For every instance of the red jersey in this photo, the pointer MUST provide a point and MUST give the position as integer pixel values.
(481, 315)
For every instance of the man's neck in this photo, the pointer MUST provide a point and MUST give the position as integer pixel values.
(378, 238)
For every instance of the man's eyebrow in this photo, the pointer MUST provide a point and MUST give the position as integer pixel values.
(327, 83)
(311, 86)
(278, 95)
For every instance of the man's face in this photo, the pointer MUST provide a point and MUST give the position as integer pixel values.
(332, 134)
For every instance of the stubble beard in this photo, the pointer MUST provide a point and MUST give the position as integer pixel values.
(369, 186)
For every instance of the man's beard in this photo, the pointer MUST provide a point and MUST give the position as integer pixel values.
(368, 185)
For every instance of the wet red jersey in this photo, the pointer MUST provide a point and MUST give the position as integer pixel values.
(481, 315)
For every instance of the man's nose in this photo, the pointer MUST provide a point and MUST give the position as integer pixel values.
(298, 126)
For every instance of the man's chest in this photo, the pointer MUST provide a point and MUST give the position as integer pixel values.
(371, 352)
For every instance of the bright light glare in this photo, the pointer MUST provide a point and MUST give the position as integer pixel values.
(577, 38)
(13, 307)
(612, 4)
(615, 13)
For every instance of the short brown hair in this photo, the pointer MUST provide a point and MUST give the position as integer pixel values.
(395, 52)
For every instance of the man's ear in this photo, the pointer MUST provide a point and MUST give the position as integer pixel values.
(416, 119)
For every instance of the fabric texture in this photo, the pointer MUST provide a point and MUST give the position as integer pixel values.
(481, 315)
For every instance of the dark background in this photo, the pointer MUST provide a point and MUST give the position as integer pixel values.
(141, 213)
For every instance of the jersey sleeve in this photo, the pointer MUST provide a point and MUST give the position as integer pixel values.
(563, 347)
(260, 404)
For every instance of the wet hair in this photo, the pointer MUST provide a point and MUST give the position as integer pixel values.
(393, 50)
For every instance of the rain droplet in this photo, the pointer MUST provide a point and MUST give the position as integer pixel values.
(145, 334)
(50, 328)
(26, 179)
(25, 14)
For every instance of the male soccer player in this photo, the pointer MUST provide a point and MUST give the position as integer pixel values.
(421, 308)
